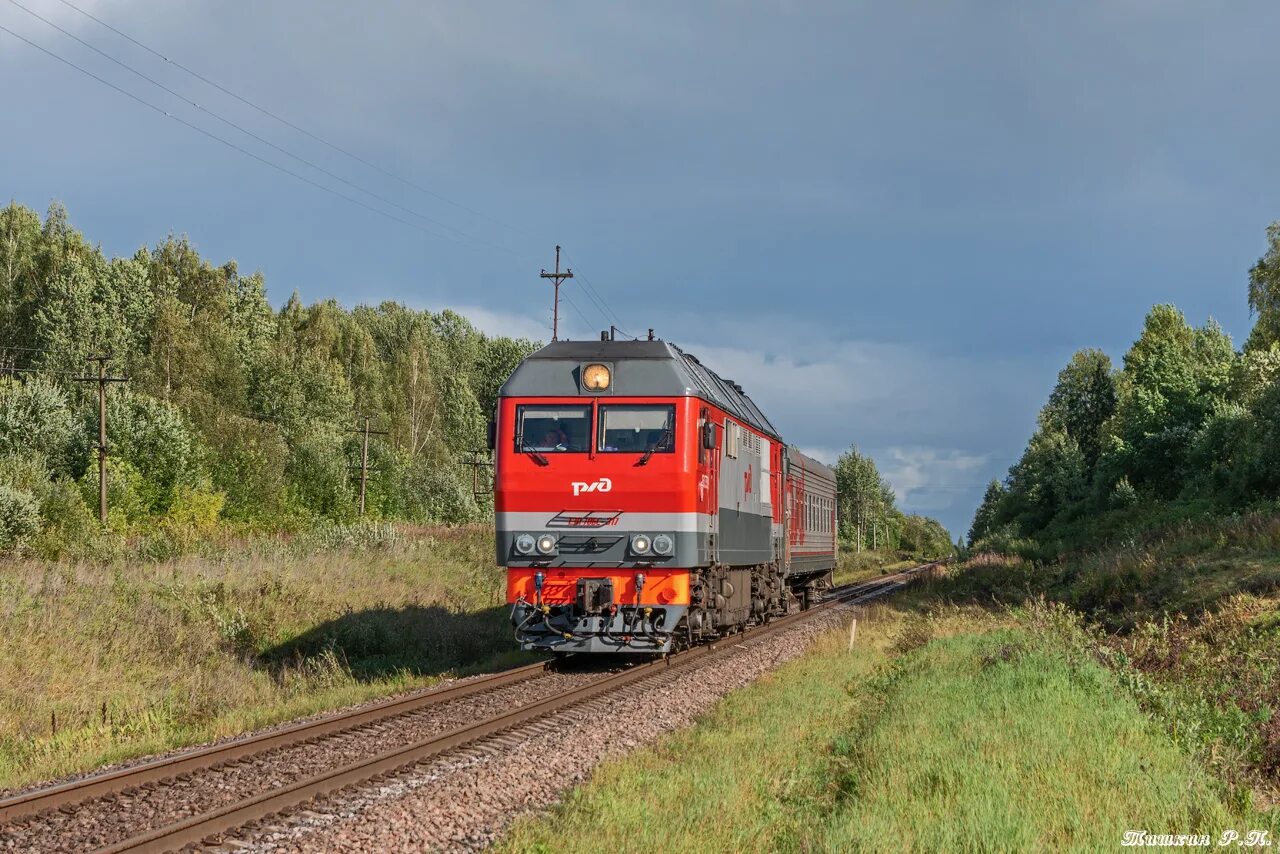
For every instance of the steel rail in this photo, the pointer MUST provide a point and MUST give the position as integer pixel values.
(196, 829)
(122, 780)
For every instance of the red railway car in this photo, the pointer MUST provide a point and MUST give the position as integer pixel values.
(643, 502)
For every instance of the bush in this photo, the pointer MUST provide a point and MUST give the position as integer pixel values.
(154, 439)
(35, 417)
(197, 508)
(435, 492)
(69, 524)
(318, 475)
(127, 494)
(247, 463)
(19, 519)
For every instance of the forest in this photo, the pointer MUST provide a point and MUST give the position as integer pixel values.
(233, 413)
(1186, 427)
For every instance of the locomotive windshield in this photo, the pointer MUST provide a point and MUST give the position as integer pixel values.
(553, 429)
(626, 428)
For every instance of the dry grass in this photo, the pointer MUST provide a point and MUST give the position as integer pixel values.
(101, 662)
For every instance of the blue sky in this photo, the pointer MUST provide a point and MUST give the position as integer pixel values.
(891, 222)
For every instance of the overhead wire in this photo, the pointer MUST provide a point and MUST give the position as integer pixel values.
(311, 135)
(387, 201)
(603, 307)
(217, 138)
(598, 302)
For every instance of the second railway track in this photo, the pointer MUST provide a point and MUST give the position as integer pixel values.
(197, 796)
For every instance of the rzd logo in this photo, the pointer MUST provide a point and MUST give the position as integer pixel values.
(604, 484)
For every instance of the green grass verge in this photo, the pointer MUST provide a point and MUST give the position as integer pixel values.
(964, 731)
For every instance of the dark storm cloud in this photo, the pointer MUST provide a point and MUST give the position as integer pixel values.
(893, 221)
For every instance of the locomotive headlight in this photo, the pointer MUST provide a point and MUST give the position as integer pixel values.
(664, 545)
(525, 544)
(546, 544)
(640, 544)
(596, 377)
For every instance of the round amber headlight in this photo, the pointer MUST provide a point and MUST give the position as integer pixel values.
(596, 377)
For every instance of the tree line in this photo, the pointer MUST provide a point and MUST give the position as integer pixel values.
(869, 518)
(237, 415)
(1187, 425)
(233, 411)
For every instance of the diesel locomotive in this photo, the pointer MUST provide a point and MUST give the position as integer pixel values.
(643, 503)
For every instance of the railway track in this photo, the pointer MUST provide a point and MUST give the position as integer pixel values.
(197, 796)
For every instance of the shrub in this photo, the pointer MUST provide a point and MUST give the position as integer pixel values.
(196, 507)
(318, 475)
(154, 439)
(35, 417)
(435, 492)
(247, 464)
(68, 522)
(19, 519)
(127, 494)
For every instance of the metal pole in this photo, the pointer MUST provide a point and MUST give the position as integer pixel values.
(364, 463)
(103, 381)
(557, 278)
(102, 440)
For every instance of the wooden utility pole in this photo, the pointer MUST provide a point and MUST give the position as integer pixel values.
(365, 433)
(102, 380)
(557, 278)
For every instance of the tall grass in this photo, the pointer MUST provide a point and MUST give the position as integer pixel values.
(854, 566)
(103, 661)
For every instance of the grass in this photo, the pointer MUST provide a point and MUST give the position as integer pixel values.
(1188, 616)
(101, 662)
(963, 730)
(854, 566)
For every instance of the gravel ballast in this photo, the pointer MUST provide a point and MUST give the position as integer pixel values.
(104, 821)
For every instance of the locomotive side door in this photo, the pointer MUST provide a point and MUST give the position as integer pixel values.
(709, 481)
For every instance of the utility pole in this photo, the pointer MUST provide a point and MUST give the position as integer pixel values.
(364, 455)
(102, 380)
(557, 278)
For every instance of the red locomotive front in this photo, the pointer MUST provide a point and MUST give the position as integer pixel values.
(641, 501)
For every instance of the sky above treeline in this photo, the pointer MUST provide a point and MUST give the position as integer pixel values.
(892, 223)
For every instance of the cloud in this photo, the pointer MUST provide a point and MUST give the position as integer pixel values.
(932, 479)
(936, 424)
(496, 322)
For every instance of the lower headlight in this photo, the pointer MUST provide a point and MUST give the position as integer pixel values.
(664, 545)
(525, 544)
(546, 544)
(640, 544)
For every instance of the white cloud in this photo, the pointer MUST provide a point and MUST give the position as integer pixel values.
(495, 322)
(926, 479)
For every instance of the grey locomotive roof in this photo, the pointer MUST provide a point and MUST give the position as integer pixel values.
(656, 368)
